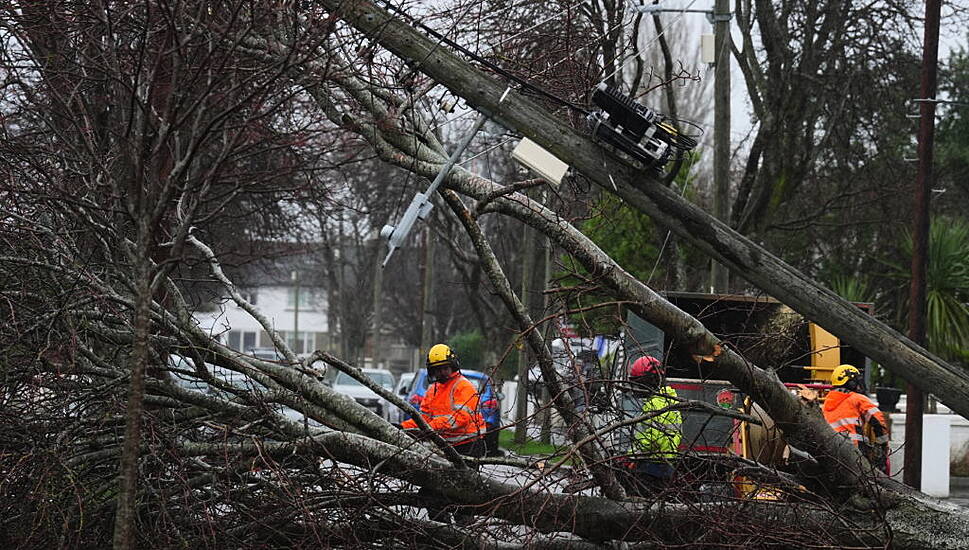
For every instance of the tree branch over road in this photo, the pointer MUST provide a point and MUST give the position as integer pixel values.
(716, 239)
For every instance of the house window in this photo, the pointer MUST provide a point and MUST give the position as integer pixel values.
(304, 344)
(305, 298)
(241, 340)
(249, 295)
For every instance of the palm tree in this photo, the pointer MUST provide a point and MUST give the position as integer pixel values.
(947, 287)
(853, 289)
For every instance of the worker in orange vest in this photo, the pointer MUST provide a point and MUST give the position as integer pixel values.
(852, 414)
(450, 405)
(450, 408)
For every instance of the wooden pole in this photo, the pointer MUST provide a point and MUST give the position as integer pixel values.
(521, 395)
(721, 131)
(915, 400)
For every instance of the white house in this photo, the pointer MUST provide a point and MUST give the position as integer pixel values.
(278, 303)
(272, 286)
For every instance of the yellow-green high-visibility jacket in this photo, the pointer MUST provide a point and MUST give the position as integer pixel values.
(659, 437)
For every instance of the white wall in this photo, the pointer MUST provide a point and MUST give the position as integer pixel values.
(958, 443)
(273, 303)
(510, 391)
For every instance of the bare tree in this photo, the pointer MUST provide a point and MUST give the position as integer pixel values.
(829, 70)
(236, 451)
(134, 146)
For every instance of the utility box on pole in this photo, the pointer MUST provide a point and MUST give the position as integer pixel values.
(707, 49)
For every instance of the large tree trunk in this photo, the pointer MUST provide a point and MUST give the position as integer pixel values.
(718, 240)
(124, 526)
(842, 467)
(916, 521)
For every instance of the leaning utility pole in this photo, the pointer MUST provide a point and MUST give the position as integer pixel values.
(642, 192)
(721, 130)
(920, 237)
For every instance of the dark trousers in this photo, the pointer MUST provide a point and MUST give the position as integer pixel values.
(474, 449)
(649, 478)
(437, 510)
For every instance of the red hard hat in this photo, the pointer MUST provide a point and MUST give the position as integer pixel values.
(644, 365)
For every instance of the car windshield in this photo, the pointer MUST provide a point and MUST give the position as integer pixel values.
(385, 379)
(344, 379)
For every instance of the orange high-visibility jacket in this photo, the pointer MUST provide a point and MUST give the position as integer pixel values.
(848, 412)
(450, 408)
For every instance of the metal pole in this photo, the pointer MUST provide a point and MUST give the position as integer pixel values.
(427, 317)
(920, 237)
(521, 395)
(296, 340)
(721, 130)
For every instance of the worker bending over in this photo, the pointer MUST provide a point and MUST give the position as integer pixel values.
(450, 408)
(852, 414)
(657, 438)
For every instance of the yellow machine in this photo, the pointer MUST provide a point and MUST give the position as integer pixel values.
(825, 354)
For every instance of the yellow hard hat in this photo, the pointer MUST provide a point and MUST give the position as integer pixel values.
(440, 355)
(843, 373)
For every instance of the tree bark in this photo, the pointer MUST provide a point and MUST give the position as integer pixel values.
(124, 519)
(593, 455)
(715, 238)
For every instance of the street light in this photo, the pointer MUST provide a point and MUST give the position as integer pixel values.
(719, 17)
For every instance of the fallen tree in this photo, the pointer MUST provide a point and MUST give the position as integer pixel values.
(801, 424)
(744, 257)
(281, 459)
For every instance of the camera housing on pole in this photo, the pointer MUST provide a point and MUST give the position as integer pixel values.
(636, 131)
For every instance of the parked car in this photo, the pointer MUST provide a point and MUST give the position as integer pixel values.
(401, 390)
(317, 368)
(489, 403)
(350, 386)
(187, 379)
(266, 354)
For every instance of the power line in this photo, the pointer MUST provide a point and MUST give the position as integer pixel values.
(654, 40)
(470, 54)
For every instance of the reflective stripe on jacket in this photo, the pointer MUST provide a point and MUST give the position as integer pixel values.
(660, 435)
(848, 412)
(451, 409)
